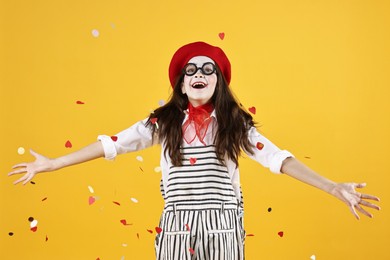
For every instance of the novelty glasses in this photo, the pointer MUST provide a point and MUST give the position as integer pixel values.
(191, 69)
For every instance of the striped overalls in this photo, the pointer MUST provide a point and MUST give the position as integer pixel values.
(202, 217)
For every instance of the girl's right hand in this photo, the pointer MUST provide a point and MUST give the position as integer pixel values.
(41, 164)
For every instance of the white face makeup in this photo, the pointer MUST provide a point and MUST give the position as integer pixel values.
(199, 87)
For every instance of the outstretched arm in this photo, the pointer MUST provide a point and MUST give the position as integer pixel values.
(44, 164)
(344, 191)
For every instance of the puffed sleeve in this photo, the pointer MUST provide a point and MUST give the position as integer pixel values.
(134, 138)
(265, 152)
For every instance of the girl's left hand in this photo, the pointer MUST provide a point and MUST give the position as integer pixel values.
(346, 192)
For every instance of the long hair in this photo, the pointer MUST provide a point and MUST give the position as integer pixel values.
(233, 123)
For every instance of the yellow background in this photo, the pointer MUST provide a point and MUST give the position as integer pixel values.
(316, 71)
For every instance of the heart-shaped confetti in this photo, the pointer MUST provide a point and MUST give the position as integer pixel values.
(221, 35)
(68, 144)
(281, 234)
(191, 251)
(192, 161)
(153, 120)
(91, 200)
(158, 230)
(259, 146)
(252, 110)
(78, 102)
(114, 138)
(34, 229)
(117, 203)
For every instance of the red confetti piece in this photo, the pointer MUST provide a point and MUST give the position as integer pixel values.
(114, 138)
(187, 227)
(68, 144)
(91, 200)
(259, 146)
(150, 231)
(192, 161)
(281, 233)
(191, 251)
(221, 35)
(153, 120)
(250, 235)
(117, 203)
(46, 238)
(34, 229)
(79, 102)
(252, 110)
(158, 230)
(124, 222)
(44, 199)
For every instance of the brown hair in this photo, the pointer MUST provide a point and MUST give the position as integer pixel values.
(233, 122)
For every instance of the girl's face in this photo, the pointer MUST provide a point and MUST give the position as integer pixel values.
(199, 87)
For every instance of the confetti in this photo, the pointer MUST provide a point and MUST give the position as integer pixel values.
(31, 219)
(124, 222)
(117, 203)
(21, 150)
(221, 35)
(32, 182)
(192, 161)
(191, 251)
(141, 169)
(157, 169)
(95, 33)
(281, 233)
(90, 189)
(34, 223)
(34, 229)
(269, 209)
(134, 200)
(46, 238)
(187, 227)
(307, 157)
(161, 103)
(250, 235)
(114, 138)
(259, 146)
(313, 257)
(124, 245)
(252, 110)
(158, 230)
(78, 102)
(150, 231)
(44, 199)
(91, 200)
(138, 235)
(153, 120)
(68, 144)
(139, 158)
(10, 234)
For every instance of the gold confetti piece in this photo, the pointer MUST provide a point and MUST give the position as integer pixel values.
(157, 169)
(134, 200)
(21, 150)
(33, 223)
(90, 189)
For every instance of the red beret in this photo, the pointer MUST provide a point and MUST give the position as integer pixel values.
(188, 51)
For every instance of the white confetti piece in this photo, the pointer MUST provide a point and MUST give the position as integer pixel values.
(124, 245)
(21, 150)
(95, 33)
(33, 223)
(90, 189)
(134, 200)
(157, 169)
(139, 158)
(313, 257)
(161, 103)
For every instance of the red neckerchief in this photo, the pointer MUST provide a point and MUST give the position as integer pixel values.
(197, 123)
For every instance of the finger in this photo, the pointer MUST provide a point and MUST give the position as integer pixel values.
(352, 209)
(360, 185)
(369, 204)
(363, 211)
(34, 153)
(19, 165)
(369, 197)
(21, 179)
(17, 172)
(28, 179)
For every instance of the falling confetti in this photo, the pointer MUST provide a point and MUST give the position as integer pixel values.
(21, 150)
(250, 235)
(161, 103)
(269, 209)
(30, 219)
(191, 251)
(313, 257)
(157, 169)
(307, 157)
(138, 235)
(192, 161)
(221, 35)
(150, 231)
(68, 144)
(124, 245)
(281, 233)
(259, 146)
(78, 102)
(90, 189)
(252, 110)
(46, 238)
(44, 199)
(91, 200)
(154, 121)
(134, 200)
(10, 234)
(95, 33)
(34, 229)
(139, 158)
(32, 182)
(117, 203)
(114, 138)
(158, 230)
(34, 223)
(124, 222)
(141, 169)
(187, 227)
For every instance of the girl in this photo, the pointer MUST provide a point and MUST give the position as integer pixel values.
(202, 130)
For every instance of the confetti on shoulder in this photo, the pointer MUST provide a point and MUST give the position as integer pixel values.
(154, 121)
